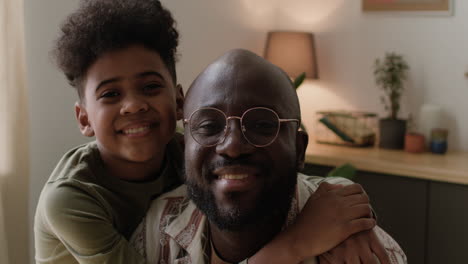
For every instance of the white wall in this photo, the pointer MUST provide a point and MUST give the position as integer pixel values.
(348, 41)
(53, 129)
(208, 28)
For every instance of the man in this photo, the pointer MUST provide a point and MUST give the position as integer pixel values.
(242, 152)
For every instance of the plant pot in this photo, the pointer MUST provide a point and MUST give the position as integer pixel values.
(392, 133)
(414, 142)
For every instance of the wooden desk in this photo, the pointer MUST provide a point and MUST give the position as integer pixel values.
(451, 167)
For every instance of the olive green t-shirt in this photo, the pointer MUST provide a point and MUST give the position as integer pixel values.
(85, 215)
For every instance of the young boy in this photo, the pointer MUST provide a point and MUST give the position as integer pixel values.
(120, 57)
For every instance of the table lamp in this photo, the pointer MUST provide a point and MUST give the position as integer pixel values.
(294, 52)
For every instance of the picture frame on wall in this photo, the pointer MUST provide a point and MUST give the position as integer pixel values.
(442, 6)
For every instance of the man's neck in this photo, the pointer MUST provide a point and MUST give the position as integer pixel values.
(237, 246)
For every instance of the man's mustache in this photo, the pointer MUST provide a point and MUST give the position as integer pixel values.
(233, 162)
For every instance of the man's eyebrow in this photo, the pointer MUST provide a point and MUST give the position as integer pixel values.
(272, 107)
(221, 106)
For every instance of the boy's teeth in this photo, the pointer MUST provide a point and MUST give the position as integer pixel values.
(233, 176)
(136, 130)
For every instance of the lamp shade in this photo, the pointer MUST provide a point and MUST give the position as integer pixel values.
(294, 52)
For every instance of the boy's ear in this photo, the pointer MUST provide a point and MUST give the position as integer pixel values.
(302, 140)
(83, 121)
(179, 102)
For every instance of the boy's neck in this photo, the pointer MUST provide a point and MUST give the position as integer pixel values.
(133, 171)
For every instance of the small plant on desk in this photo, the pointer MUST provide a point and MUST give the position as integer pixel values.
(390, 74)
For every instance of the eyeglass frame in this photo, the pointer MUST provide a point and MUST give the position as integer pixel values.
(240, 118)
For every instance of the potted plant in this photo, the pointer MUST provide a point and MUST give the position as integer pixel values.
(390, 74)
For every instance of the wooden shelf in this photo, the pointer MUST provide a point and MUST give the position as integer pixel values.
(451, 167)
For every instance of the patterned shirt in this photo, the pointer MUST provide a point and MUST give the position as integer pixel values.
(175, 231)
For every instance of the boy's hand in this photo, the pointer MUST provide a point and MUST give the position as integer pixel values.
(331, 215)
(363, 247)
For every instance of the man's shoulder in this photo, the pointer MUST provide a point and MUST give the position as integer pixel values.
(313, 182)
(394, 251)
(179, 193)
(171, 224)
(307, 185)
(173, 203)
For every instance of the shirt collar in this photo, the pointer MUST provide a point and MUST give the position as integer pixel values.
(188, 228)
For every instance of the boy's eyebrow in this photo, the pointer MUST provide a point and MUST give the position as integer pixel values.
(150, 73)
(107, 81)
(140, 75)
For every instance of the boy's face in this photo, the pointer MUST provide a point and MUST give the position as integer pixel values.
(131, 105)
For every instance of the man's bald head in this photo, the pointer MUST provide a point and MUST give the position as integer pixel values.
(237, 72)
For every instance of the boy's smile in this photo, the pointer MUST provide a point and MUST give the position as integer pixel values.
(137, 130)
(131, 105)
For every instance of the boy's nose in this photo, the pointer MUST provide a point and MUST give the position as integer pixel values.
(133, 104)
(234, 144)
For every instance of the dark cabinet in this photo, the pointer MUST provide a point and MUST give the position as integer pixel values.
(401, 207)
(448, 223)
(428, 219)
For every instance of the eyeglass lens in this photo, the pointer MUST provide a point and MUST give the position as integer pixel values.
(260, 126)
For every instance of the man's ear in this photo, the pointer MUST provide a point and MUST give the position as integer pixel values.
(83, 121)
(179, 102)
(302, 140)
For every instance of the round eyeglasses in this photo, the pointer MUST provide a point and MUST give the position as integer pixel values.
(259, 125)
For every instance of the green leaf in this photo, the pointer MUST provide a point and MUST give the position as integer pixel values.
(347, 171)
(303, 128)
(180, 129)
(299, 80)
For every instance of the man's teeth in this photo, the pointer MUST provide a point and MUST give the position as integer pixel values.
(233, 176)
(137, 130)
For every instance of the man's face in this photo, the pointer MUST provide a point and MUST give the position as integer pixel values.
(236, 184)
(130, 104)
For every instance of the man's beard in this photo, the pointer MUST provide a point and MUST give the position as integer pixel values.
(273, 202)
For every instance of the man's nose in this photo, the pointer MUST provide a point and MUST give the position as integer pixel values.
(133, 104)
(234, 144)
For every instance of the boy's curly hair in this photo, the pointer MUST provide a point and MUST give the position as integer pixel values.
(99, 26)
